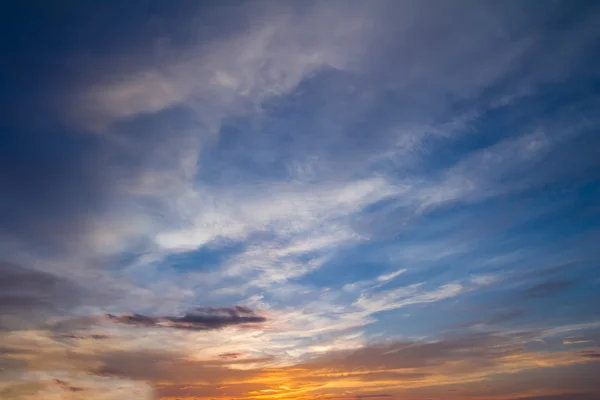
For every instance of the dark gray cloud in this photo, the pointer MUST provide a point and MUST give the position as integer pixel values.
(230, 356)
(548, 288)
(529, 297)
(66, 386)
(72, 327)
(494, 318)
(82, 337)
(591, 354)
(200, 319)
(25, 292)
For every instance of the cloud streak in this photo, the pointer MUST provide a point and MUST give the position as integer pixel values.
(199, 319)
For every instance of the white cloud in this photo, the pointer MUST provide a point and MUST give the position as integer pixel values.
(299, 227)
(283, 209)
(405, 296)
(228, 74)
(390, 276)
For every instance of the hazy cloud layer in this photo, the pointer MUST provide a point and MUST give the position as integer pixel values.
(27, 295)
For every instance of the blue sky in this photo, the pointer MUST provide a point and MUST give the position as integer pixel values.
(320, 199)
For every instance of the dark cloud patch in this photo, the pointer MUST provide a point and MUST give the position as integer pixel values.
(496, 318)
(200, 319)
(8, 351)
(26, 292)
(230, 356)
(531, 295)
(73, 326)
(548, 288)
(543, 272)
(505, 316)
(83, 337)
(591, 354)
(66, 386)
(546, 277)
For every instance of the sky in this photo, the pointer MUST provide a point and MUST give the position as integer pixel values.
(271, 200)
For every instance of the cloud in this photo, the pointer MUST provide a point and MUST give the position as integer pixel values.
(231, 73)
(401, 369)
(25, 293)
(84, 337)
(548, 288)
(73, 386)
(591, 354)
(390, 276)
(424, 354)
(396, 367)
(283, 208)
(65, 386)
(166, 366)
(230, 356)
(405, 296)
(199, 319)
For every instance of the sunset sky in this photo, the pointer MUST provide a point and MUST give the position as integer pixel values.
(272, 200)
